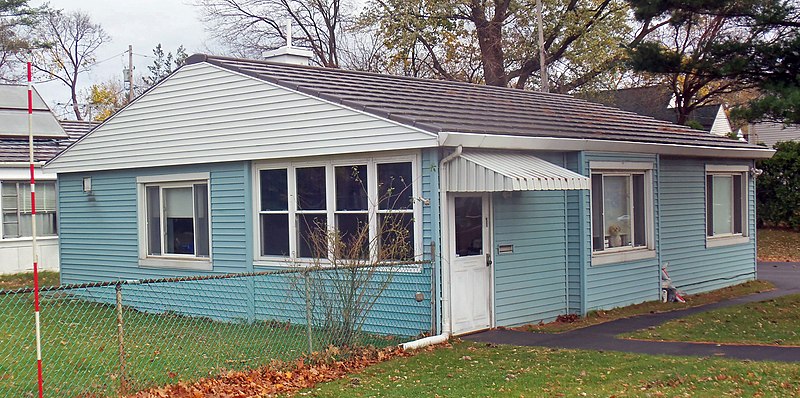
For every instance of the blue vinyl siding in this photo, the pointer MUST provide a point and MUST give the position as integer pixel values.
(693, 267)
(577, 230)
(99, 242)
(620, 284)
(531, 283)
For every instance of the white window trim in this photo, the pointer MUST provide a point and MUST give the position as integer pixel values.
(372, 195)
(625, 254)
(174, 261)
(734, 238)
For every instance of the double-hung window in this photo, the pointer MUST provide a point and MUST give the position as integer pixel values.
(17, 213)
(175, 225)
(621, 207)
(342, 209)
(726, 204)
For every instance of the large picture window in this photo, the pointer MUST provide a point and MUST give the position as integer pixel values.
(621, 212)
(176, 222)
(367, 205)
(15, 202)
(726, 203)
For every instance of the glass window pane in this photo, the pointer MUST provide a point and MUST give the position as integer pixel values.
(351, 187)
(709, 205)
(25, 225)
(45, 197)
(722, 188)
(395, 186)
(639, 229)
(353, 230)
(179, 220)
(46, 224)
(274, 190)
(469, 226)
(201, 219)
(24, 191)
(311, 188)
(616, 209)
(312, 237)
(275, 235)
(153, 221)
(598, 236)
(9, 197)
(396, 231)
(738, 194)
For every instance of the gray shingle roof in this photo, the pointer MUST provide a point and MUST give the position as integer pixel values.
(15, 149)
(444, 106)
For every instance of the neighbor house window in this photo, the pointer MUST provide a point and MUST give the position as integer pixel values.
(15, 202)
(368, 204)
(176, 222)
(621, 210)
(726, 202)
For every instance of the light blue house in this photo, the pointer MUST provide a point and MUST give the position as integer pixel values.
(532, 204)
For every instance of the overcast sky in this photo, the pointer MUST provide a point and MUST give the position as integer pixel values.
(141, 23)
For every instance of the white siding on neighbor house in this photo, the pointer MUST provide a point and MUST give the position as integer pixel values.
(721, 126)
(772, 133)
(206, 114)
(15, 255)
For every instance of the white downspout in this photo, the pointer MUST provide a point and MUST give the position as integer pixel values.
(444, 213)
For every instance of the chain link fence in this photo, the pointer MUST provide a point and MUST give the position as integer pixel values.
(116, 338)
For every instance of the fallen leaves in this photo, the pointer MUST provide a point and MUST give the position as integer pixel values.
(279, 377)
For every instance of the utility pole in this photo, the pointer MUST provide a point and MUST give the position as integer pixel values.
(130, 73)
(545, 87)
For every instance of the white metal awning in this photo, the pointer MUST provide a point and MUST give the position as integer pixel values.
(483, 171)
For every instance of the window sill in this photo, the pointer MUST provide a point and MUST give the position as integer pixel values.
(717, 241)
(28, 238)
(622, 256)
(200, 264)
(289, 264)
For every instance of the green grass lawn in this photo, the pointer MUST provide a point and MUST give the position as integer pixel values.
(778, 245)
(25, 279)
(774, 321)
(81, 350)
(471, 370)
(597, 317)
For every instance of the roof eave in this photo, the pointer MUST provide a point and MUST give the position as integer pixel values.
(492, 141)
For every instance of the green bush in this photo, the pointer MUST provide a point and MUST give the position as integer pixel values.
(778, 188)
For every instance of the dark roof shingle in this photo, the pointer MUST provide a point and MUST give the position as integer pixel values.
(445, 106)
(15, 149)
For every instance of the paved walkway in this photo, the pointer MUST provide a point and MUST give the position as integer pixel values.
(785, 276)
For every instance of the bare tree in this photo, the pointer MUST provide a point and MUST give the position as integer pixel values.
(15, 17)
(70, 42)
(249, 27)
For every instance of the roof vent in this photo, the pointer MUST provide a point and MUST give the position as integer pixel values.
(289, 54)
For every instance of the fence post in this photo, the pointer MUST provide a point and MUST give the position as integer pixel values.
(308, 313)
(123, 387)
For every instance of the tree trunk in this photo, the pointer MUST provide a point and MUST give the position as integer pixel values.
(75, 107)
(490, 41)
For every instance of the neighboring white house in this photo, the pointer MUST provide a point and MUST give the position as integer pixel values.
(769, 134)
(15, 206)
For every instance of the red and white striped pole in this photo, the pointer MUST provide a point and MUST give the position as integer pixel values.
(33, 240)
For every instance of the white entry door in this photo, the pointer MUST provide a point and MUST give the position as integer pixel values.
(471, 264)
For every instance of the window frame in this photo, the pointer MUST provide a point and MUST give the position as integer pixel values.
(171, 260)
(625, 254)
(18, 183)
(734, 238)
(330, 187)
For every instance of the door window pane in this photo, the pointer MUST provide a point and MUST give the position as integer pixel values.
(311, 188)
(722, 188)
(394, 186)
(469, 226)
(274, 190)
(351, 187)
(616, 210)
(275, 234)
